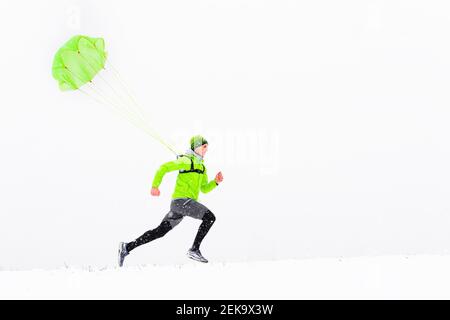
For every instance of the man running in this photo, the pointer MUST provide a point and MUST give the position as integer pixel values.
(191, 179)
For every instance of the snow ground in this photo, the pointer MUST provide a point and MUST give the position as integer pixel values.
(386, 277)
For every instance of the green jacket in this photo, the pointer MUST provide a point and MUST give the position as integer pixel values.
(188, 184)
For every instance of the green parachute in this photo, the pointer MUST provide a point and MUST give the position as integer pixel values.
(78, 62)
(82, 64)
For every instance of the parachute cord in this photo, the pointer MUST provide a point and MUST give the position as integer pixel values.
(91, 96)
(132, 120)
(120, 98)
(137, 107)
(125, 86)
(152, 132)
(130, 117)
(136, 121)
(116, 107)
(102, 100)
(140, 113)
(132, 98)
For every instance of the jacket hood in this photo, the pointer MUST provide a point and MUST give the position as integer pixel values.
(190, 152)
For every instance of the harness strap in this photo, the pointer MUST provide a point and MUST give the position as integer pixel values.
(192, 166)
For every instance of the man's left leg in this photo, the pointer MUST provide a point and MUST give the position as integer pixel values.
(207, 222)
(197, 210)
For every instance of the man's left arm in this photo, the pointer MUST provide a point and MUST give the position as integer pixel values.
(209, 186)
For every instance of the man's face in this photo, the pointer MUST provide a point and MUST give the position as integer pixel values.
(201, 150)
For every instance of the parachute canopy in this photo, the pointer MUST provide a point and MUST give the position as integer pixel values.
(78, 61)
(81, 65)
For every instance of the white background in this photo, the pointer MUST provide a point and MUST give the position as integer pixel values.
(329, 120)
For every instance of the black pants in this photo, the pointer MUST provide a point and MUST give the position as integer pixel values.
(179, 208)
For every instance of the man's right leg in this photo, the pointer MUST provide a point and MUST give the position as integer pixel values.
(169, 222)
(150, 235)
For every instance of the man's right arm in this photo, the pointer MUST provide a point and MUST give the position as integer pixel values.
(179, 164)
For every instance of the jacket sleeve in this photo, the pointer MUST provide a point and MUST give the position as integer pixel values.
(179, 164)
(207, 186)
